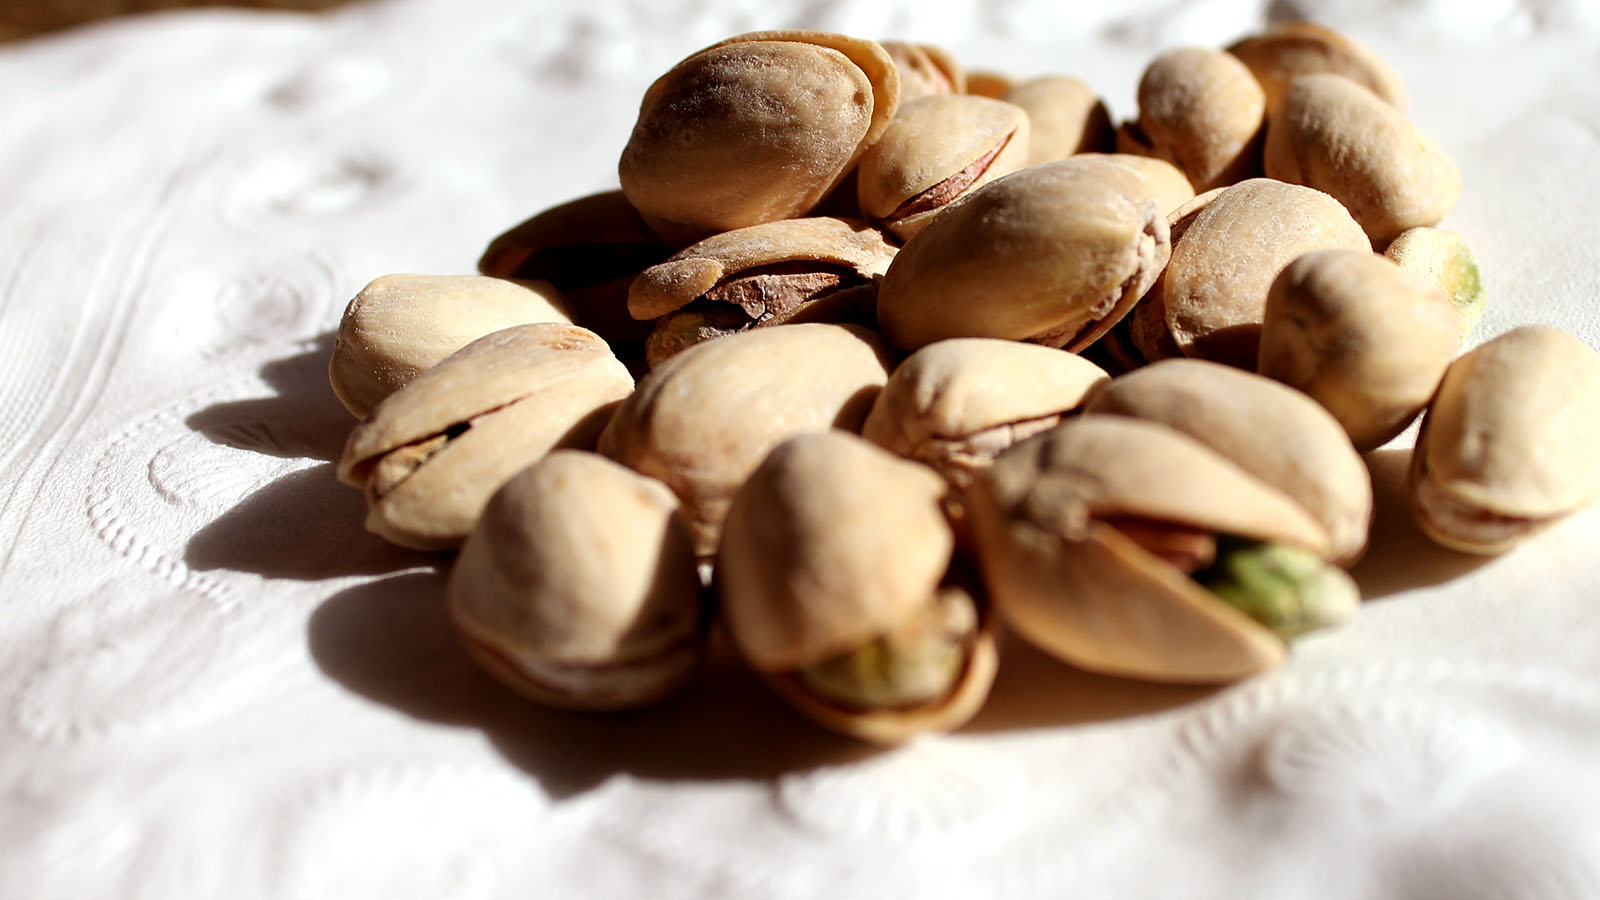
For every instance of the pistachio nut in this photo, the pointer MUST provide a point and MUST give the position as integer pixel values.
(432, 453)
(1290, 49)
(813, 269)
(704, 419)
(1098, 538)
(1361, 336)
(936, 150)
(578, 586)
(754, 129)
(1170, 186)
(400, 325)
(1215, 287)
(1202, 111)
(831, 577)
(1142, 336)
(925, 69)
(989, 84)
(1275, 433)
(1065, 117)
(1507, 446)
(956, 404)
(1444, 260)
(591, 249)
(1054, 254)
(1332, 134)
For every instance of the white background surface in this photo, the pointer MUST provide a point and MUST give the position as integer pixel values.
(214, 683)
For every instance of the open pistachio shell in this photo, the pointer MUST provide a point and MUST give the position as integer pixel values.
(830, 576)
(1065, 117)
(1202, 111)
(704, 419)
(1052, 520)
(400, 325)
(1275, 433)
(1054, 254)
(754, 129)
(432, 453)
(1507, 446)
(578, 586)
(1291, 49)
(924, 70)
(936, 150)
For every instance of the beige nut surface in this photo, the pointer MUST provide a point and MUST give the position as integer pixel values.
(578, 586)
(756, 128)
(1507, 446)
(1361, 336)
(1331, 134)
(956, 404)
(1203, 111)
(936, 150)
(432, 453)
(1215, 287)
(1163, 179)
(1277, 434)
(1290, 49)
(1065, 117)
(1055, 254)
(925, 69)
(835, 548)
(705, 418)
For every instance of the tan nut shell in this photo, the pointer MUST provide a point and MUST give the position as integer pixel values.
(1290, 49)
(1166, 181)
(1509, 443)
(698, 268)
(1334, 135)
(704, 419)
(400, 325)
(925, 69)
(756, 128)
(1277, 434)
(524, 391)
(1065, 117)
(1215, 287)
(1361, 336)
(1055, 253)
(830, 543)
(946, 394)
(578, 587)
(930, 140)
(1202, 110)
(1080, 589)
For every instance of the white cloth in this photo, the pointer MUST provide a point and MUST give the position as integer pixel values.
(216, 684)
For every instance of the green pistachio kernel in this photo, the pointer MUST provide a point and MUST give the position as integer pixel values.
(1286, 589)
(1444, 260)
(918, 662)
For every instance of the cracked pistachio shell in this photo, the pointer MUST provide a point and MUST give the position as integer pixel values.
(1361, 336)
(400, 325)
(1444, 260)
(925, 69)
(1215, 287)
(1202, 111)
(704, 419)
(830, 544)
(955, 404)
(1290, 49)
(756, 128)
(1049, 523)
(1065, 117)
(936, 150)
(432, 453)
(1507, 446)
(591, 249)
(1332, 134)
(1054, 254)
(1165, 180)
(1275, 433)
(578, 586)
(1147, 337)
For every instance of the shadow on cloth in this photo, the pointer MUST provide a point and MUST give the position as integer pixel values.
(303, 419)
(1399, 556)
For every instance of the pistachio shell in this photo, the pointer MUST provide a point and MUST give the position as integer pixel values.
(756, 128)
(1508, 444)
(1065, 117)
(400, 325)
(936, 150)
(989, 84)
(578, 586)
(1331, 134)
(432, 453)
(1215, 287)
(1290, 49)
(924, 70)
(1145, 327)
(704, 419)
(1202, 110)
(1163, 179)
(1277, 434)
(1444, 260)
(1055, 253)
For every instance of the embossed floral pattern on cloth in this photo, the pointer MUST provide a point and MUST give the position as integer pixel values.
(216, 683)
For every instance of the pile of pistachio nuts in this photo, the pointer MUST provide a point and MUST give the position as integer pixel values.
(869, 355)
